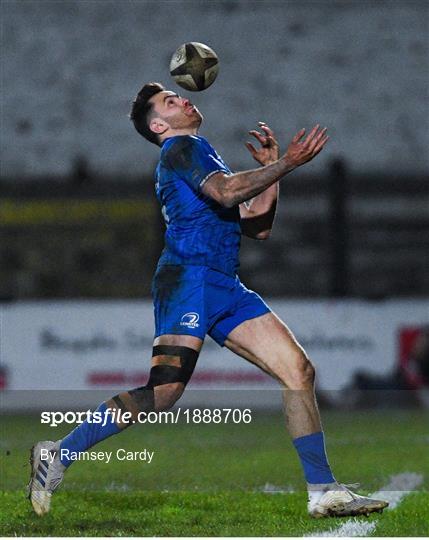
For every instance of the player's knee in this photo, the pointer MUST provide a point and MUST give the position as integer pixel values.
(172, 364)
(172, 367)
(171, 370)
(309, 373)
(300, 374)
(304, 372)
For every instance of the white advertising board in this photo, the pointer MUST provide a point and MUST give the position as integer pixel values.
(96, 345)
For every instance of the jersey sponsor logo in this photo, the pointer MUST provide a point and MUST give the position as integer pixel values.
(190, 320)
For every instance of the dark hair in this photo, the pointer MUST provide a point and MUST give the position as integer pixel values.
(141, 109)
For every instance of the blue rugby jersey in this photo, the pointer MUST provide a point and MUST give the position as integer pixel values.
(199, 230)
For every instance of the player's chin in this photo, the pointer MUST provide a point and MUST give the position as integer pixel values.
(197, 119)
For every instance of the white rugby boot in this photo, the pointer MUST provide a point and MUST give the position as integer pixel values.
(47, 472)
(337, 500)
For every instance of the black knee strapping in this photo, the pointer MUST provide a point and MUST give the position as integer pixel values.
(143, 397)
(133, 401)
(165, 374)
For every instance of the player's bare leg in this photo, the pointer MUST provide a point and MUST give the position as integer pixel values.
(173, 361)
(268, 343)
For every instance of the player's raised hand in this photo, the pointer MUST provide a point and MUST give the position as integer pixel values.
(302, 150)
(269, 150)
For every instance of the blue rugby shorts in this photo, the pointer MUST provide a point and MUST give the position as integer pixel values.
(197, 300)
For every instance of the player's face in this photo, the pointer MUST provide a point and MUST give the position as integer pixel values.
(176, 111)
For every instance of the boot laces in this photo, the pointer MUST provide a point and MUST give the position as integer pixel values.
(347, 487)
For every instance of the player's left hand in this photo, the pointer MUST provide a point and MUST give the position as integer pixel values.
(269, 151)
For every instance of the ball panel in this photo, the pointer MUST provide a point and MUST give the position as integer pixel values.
(186, 81)
(204, 50)
(211, 75)
(178, 58)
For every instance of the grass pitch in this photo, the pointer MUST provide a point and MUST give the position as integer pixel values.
(209, 480)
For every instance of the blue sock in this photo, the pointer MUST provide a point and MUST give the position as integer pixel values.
(312, 453)
(86, 435)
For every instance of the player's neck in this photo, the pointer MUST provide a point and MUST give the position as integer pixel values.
(177, 132)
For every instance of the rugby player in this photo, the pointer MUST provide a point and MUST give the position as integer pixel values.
(196, 291)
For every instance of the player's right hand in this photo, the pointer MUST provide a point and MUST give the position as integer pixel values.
(269, 150)
(301, 150)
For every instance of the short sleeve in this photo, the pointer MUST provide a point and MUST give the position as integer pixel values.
(193, 160)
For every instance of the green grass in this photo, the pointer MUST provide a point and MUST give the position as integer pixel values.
(207, 480)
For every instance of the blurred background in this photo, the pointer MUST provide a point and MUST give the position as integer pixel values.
(80, 228)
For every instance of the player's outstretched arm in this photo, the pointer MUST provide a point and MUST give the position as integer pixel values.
(230, 190)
